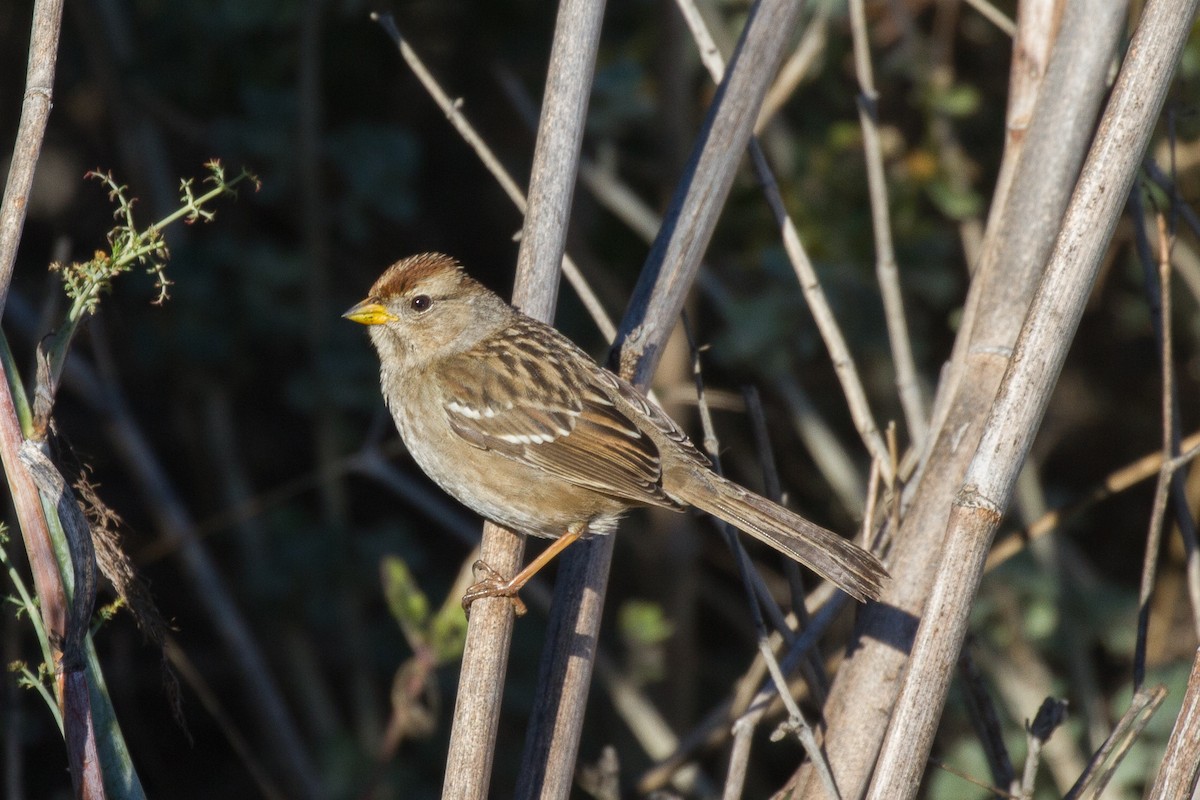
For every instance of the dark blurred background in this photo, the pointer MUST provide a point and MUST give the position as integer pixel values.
(252, 393)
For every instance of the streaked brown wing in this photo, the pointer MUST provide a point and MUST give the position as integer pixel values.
(532, 401)
(657, 417)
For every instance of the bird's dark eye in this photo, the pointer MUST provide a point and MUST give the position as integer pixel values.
(421, 302)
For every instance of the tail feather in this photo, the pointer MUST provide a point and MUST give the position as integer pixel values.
(856, 571)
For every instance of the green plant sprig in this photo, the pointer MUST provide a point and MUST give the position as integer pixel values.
(26, 679)
(24, 603)
(128, 246)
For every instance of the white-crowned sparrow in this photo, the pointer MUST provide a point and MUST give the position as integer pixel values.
(520, 425)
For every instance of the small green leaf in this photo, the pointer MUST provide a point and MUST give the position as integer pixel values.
(448, 632)
(957, 101)
(405, 600)
(955, 203)
(845, 135)
(643, 622)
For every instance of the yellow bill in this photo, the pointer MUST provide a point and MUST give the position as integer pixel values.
(368, 312)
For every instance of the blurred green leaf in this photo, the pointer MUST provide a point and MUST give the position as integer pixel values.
(957, 101)
(448, 631)
(644, 628)
(643, 622)
(406, 601)
(845, 135)
(955, 203)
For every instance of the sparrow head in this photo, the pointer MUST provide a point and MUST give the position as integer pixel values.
(426, 307)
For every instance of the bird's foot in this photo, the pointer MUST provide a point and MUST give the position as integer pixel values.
(489, 583)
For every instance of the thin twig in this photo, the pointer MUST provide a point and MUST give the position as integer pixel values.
(1171, 422)
(839, 351)
(1150, 561)
(743, 729)
(761, 702)
(1050, 715)
(798, 66)
(1158, 288)
(814, 671)
(984, 719)
(994, 16)
(835, 342)
(994, 790)
(823, 606)
(1117, 481)
(869, 523)
(1158, 299)
(916, 410)
(1104, 763)
(757, 595)
(453, 110)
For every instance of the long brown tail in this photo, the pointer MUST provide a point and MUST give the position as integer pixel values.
(849, 566)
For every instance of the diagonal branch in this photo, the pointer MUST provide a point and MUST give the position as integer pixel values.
(692, 215)
(453, 111)
(658, 298)
(818, 305)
